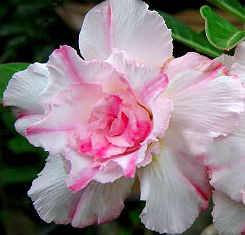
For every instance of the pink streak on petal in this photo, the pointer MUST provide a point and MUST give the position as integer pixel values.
(130, 170)
(36, 130)
(64, 53)
(84, 178)
(153, 88)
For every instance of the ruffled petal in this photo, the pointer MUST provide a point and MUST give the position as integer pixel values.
(24, 89)
(97, 203)
(175, 188)
(101, 203)
(24, 122)
(128, 26)
(238, 67)
(226, 163)
(67, 68)
(228, 215)
(50, 195)
(205, 106)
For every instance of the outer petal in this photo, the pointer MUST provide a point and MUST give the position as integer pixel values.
(175, 188)
(236, 63)
(238, 67)
(226, 163)
(98, 203)
(101, 203)
(205, 106)
(24, 89)
(52, 199)
(128, 26)
(229, 215)
(226, 157)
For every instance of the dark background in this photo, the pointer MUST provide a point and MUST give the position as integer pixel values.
(29, 31)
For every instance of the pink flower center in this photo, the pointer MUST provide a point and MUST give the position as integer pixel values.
(117, 125)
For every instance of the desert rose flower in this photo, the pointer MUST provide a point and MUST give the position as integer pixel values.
(124, 111)
(226, 163)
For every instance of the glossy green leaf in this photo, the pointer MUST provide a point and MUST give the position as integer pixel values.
(189, 37)
(219, 31)
(6, 72)
(233, 7)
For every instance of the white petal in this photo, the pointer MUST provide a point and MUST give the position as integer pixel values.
(175, 188)
(227, 60)
(98, 203)
(101, 203)
(228, 215)
(52, 199)
(238, 67)
(24, 89)
(226, 163)
(205, 106)
(24, 122)
(129, 26)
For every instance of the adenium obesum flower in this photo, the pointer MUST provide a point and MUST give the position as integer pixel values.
(226, 163)
(128, 110)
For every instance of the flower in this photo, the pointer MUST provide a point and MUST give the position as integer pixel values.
(127, 110)
(226, 163)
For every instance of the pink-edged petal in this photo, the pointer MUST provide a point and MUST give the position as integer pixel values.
(147, 82)
(67, 68)
(194, 62)
(128, 163)
(97, 203)
(226, 163)
(50, 195)
(70, 110)
(128, 26)
(226, 60)
(82, 170)
(175, 188)
(101, 203)
(228, 215)
(109, 172)
(114, 168)
(24, 89)
(205, 106)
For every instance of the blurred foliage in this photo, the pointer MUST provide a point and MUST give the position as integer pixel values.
(30, 30)
(184, 34)
(233, 7)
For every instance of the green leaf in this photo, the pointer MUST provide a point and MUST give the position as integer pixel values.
(6, 72)
(219, 31)
(189, 37)
(233, 7)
